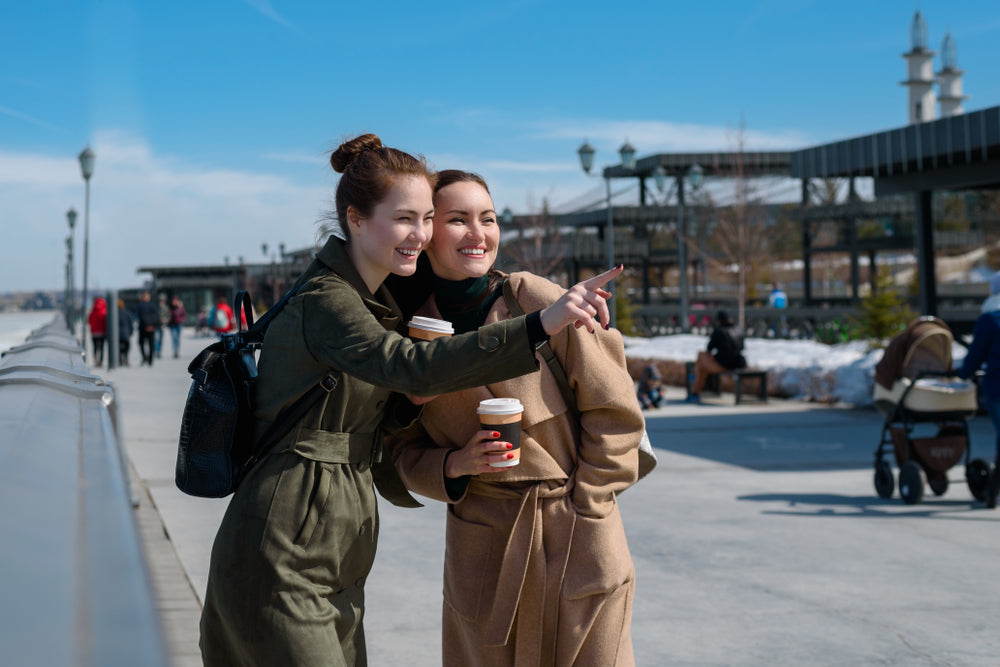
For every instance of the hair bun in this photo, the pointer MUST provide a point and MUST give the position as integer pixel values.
(351, 150)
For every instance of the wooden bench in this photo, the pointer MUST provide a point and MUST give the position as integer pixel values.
(712, 382)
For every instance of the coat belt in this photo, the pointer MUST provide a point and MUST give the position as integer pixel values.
(524, 559)
(330, 447)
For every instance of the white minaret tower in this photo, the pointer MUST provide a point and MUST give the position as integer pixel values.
(920, 73)
(950, 80)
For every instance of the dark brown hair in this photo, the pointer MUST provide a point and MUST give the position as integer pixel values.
(369, 170)
(449, 176)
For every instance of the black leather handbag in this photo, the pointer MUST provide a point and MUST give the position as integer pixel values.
(216, 447)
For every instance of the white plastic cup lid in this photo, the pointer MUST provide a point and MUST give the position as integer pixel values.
(431, 324)
(500, 406)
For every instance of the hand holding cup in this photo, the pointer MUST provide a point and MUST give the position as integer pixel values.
(504, 416)
(477, 456)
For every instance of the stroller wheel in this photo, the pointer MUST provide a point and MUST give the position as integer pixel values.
(911, 485)
(884, 483)
(977, 475)
(939, 485)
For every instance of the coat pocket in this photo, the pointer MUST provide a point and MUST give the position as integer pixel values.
(599, 559)
(316, 504)
(297, 505)
(467, 553)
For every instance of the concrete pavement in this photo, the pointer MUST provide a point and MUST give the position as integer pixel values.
(759, 540)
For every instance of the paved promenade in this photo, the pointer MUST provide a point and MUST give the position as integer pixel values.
(759, 540)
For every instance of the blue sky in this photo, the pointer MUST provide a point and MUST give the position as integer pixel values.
(211, 120)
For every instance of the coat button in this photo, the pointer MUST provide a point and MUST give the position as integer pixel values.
(492, 343)
(360, 583)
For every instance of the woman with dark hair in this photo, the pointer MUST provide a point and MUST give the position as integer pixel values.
(289, 563)
(537, 568)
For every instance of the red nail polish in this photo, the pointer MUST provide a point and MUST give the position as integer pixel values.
(496, 434)
(510, 446)
(510, 456)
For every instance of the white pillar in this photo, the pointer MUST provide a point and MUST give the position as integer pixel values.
(950, 80)
(921, 100)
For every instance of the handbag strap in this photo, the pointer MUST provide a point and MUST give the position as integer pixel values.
(291, 415)
(294, 413)
(544, 349)
(255, 330)
(243, 310)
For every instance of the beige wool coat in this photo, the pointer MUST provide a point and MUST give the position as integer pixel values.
(537, 568)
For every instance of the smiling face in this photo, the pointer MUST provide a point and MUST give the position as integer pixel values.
(390, 240)
(466, 234)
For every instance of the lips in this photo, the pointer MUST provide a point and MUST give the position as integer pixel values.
(410, 253)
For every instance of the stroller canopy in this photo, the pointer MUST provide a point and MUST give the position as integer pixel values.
(925, 345)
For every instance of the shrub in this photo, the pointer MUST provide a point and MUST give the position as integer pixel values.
(883, 313)
(623, 314)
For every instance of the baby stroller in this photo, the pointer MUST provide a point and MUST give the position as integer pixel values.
(915, 389)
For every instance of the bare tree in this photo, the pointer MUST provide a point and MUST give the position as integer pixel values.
(743, 235)
(538, 246)
(827, 190)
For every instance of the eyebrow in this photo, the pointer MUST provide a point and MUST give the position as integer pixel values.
(412, 212)
(464, 212)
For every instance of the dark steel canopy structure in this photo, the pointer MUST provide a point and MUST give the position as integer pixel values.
(955, 153)
(675, 166)
(760, 163)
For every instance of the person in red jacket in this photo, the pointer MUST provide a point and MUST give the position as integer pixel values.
(98, 321)
(222, 317)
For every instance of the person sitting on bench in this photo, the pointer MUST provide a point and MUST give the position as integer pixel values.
(724, 353)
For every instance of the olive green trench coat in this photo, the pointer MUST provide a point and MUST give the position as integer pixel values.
(286, 581)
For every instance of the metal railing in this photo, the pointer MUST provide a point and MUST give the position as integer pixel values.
(75, 588)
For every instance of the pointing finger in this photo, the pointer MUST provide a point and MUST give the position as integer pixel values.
(603, 278)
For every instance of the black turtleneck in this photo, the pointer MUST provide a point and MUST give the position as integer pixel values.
(465, 303)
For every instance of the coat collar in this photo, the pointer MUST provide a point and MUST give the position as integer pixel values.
(381, 304)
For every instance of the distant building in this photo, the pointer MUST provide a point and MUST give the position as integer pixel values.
(199, 287)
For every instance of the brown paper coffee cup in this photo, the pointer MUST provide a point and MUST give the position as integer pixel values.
(504, 416)
(428, 328)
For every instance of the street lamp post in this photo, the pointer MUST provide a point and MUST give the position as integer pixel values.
(71, 272)
(694, 176)
(627, 153)
(67, 299)
(86, 158)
